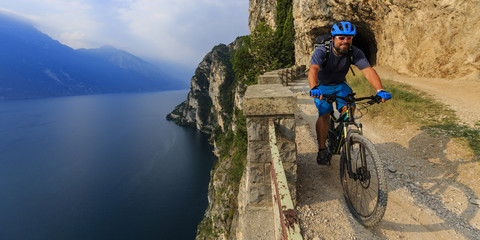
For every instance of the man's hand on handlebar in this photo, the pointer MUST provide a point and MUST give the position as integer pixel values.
(384, 95)
(381, 96)
(316, 93)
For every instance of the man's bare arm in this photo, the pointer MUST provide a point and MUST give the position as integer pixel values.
(313, 75)
(372, 78)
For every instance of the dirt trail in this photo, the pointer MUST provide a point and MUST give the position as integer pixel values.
(433, 185)
(462, 95)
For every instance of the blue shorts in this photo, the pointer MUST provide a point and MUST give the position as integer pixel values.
(324, 107)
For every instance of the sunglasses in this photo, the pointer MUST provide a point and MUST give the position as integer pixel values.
(341, 38)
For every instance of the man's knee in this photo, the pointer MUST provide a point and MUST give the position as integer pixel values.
(344, 108)
(324, 116)
(323, 120)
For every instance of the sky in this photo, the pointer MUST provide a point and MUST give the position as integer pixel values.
(176, 31)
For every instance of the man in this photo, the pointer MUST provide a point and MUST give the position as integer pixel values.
(330, 79)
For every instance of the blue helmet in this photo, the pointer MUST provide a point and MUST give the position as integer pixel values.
(343, 28)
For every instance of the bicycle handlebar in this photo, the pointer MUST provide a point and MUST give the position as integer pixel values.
(350, 98)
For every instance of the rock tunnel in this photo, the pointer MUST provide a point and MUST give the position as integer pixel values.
(365, 40)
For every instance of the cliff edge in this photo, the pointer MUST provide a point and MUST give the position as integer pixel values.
(213, 94)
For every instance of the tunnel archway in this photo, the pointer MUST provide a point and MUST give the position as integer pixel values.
(365, 40)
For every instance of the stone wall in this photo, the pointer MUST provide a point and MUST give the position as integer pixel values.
(282, 76)
(263, 103)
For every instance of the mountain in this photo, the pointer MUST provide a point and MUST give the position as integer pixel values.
(33, 65)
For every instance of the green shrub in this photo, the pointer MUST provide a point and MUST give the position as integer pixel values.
(256, 56)
(285, 34)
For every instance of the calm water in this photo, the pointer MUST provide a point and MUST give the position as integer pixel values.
(101, 167)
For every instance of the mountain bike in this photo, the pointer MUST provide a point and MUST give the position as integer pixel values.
(361, 170)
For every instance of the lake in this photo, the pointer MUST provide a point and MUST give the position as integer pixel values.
(101, 167)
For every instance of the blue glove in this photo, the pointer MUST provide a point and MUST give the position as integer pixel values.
(384, 95)
(315, 92)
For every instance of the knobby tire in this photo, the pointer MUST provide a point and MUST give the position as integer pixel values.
(366, 199)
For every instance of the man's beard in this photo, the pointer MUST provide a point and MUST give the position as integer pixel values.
(343, 50)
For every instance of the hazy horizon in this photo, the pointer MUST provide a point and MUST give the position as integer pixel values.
(180, 33)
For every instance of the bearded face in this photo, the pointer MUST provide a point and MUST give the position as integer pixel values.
(342, 44)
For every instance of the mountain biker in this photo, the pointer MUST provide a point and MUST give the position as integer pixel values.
(331, 79)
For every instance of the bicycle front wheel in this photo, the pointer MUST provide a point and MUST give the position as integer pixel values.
(365, 187)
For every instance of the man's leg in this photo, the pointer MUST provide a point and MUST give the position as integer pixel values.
(322, 130)
(321, 126)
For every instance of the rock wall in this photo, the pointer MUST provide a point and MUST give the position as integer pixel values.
(427, 38)
(261, 11)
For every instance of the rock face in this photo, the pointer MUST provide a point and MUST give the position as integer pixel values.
(261, 11)
(207, 105)
(420, 38)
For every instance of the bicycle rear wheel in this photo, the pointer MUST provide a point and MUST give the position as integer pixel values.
(365, 190)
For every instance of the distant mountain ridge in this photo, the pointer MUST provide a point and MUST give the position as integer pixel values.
(33, 65)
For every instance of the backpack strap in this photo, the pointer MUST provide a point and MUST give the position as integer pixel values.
(327, 53)
(350, 58)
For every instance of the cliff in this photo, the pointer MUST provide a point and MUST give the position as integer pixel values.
(214, 105)
(211, 99)
(420, 38)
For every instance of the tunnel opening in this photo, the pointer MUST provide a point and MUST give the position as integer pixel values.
(365, 40)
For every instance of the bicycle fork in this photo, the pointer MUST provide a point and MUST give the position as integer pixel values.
(361, 173)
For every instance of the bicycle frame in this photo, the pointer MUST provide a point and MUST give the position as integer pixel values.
(343, 131)
(344, 121)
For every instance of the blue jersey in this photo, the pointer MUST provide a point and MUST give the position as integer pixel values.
(337, 66)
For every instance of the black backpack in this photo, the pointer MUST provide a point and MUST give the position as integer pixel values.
(325, 40)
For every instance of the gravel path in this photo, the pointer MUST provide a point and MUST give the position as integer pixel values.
(434, 188)
(462, 94)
